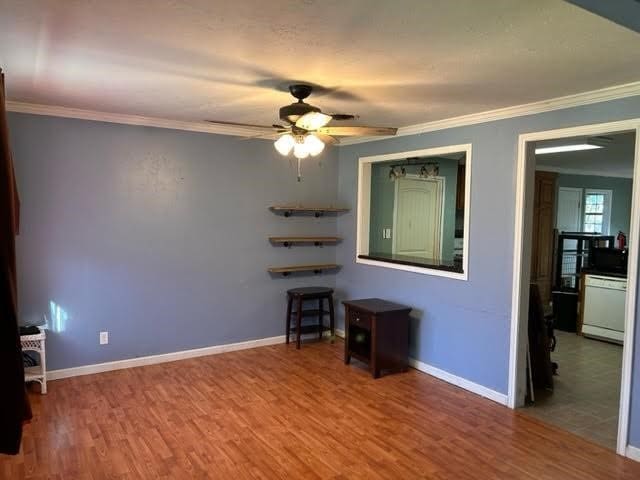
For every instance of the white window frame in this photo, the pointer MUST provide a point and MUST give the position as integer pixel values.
(364, 210)
(606, 215)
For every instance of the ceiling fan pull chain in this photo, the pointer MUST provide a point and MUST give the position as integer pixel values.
(299, 171)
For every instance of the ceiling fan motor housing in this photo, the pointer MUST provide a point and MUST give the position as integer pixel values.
(291, 113)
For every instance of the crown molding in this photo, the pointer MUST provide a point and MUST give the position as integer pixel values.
(577, 171)
(586, 98)
(66, 112)
(576, 100)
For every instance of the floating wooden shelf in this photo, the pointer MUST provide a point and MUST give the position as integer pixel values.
(303, 268)
(317, 241)
(289, 210)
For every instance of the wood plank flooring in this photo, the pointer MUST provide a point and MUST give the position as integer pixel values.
(274, 412)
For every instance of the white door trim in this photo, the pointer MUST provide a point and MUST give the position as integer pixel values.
(522, 234)
(441, 198)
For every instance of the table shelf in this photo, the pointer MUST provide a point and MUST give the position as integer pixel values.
(307, 329)
(310, 313)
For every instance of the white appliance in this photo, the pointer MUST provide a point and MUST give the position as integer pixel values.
(604, 299)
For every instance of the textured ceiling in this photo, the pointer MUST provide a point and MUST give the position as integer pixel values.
(615, 159)
(394, 63)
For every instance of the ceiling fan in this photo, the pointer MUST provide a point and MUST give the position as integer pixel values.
(304, 130)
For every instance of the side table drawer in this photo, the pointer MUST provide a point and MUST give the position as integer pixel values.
(360, 319)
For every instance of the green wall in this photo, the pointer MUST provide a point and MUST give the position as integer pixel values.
(382, 204)
(621, 200)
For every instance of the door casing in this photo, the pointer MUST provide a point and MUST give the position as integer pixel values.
(525, 168)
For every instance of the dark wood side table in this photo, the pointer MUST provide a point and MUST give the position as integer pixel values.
(377, 333)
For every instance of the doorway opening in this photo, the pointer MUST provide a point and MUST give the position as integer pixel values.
(575, 277)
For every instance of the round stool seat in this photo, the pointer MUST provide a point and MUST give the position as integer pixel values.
(310, 291)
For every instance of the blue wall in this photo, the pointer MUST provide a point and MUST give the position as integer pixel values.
(158, 236)
(463, 327)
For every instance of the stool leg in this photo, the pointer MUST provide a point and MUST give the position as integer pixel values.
(299, 322)
(288, 322)
(332, 323)
(320, 318)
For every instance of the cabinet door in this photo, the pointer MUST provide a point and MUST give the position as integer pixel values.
(543, 233)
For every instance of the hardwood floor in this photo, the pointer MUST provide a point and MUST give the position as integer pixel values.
(274, 412)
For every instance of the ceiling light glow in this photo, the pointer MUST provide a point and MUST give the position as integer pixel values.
(313, 120)
(566, 148)
(300, 151)
(314, 145)
(284, 144)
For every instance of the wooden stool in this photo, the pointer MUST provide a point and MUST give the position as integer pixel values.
(299, 296)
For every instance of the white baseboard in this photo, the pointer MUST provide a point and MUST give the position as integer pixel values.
(261, 342)
(633, 453)
(459, 381)
(170, 357)
(453, 379)
(161, 358)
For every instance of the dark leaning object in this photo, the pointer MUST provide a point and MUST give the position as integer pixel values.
(298, 296)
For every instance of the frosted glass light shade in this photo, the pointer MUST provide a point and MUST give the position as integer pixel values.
(300, 150)
(313, 120)
(314, 145)
(284, 144)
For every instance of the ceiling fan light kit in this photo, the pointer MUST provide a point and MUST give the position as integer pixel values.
(284, 144)
(305, 131)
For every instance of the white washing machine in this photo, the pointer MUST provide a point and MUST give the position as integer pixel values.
(604, 307)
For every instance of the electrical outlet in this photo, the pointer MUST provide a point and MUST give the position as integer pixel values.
(104, 338)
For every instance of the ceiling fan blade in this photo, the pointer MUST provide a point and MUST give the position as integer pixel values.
(248, 125)
(262, 136)
(358, 131)
(343, 116)
(327, 139)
